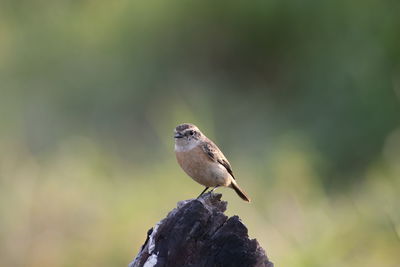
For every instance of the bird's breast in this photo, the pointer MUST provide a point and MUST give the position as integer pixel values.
(201, 168)
(192, 161)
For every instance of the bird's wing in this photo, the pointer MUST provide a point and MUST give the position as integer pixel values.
(216, 155)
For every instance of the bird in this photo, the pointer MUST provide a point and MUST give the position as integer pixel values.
(203, 161)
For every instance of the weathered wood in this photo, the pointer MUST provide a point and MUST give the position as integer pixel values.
(198, 233)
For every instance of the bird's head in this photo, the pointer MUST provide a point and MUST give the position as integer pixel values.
(187, 134)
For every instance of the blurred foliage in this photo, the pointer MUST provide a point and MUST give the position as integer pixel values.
(302, 96)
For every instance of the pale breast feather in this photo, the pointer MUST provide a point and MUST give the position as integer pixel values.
(189, 146)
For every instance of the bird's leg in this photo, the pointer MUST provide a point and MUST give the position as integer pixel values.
(212, 190)
(203, 192)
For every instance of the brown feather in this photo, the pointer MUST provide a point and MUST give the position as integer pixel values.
(216, 155)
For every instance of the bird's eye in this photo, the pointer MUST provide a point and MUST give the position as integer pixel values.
(191, 132)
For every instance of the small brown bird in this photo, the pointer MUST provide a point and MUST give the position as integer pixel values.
(202, 160)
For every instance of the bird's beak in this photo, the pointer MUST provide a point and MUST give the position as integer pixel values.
(178, 135)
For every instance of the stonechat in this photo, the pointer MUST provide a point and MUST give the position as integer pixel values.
(202, 160)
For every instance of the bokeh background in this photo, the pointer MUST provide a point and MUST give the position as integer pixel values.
(302, 96)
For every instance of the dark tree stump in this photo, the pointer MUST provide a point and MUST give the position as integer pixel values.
(197, 233)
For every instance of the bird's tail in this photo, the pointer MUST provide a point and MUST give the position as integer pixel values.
(239, 191)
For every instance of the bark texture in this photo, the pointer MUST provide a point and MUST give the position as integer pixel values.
(198, 233)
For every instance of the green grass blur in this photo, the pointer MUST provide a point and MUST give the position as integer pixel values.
(302, 97)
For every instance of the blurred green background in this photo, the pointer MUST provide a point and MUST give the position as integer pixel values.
(303, 97)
